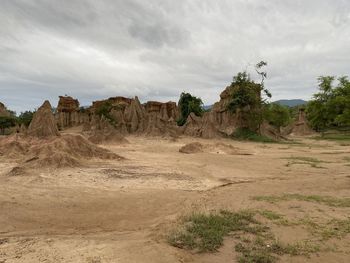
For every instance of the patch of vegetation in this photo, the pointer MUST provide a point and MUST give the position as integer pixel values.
(248, 135)
(206, 232)
(261, 251)
(326, 200)
(104, 110)
(6, 122)
(330, 107)
(335, 228)
(271, 215)
(188, 104)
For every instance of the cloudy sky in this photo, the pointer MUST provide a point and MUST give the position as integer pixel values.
(156, 49)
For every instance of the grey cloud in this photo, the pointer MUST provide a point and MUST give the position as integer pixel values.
(157, 49)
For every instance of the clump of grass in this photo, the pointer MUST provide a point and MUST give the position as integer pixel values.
(335, 228)
(267, 251)
(205, 233)
(256, 243)
(271, 215)
(326, 200)
(248, 135)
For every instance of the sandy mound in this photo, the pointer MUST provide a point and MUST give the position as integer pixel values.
(13, 147)
(68, 150)
(43, 123)
(112, 136)
(57, 152)
(194, 147)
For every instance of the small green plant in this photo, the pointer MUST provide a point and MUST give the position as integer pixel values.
(270, 215)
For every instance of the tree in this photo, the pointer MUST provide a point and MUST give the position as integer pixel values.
(187, 104)
(246, 100)
(330, 107)
(277, 115)
(25, 118)
(6, 122)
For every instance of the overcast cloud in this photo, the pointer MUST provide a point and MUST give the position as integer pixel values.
(156, 49)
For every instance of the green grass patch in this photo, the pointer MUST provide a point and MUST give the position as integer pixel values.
(203, 232)
(206, 232)
(335, 228)
(271, 215)
(326, 200)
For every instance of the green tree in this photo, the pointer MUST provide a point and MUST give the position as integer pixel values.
(6, 122)
(246, 101)
(277, 115)
(25, 117)
(330, 107)
(187, 104)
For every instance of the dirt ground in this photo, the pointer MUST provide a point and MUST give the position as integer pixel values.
(122, 211)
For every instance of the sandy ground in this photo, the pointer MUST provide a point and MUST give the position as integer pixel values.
(122, 211)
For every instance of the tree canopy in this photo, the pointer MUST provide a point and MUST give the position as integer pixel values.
(330, 107)
(187, 104)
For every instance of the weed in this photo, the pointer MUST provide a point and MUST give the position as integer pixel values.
(270, 215)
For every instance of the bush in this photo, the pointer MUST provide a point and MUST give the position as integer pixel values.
(188, 104)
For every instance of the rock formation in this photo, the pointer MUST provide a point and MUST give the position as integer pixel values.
(300, 127)
(219, 121)
(68, 113)
(43, 123)
(3, 111)
(130, 116)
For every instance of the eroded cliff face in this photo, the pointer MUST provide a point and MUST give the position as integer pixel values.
(300, 126)
(3, 111)
(218, 122)
(130, 116)
(68, 113)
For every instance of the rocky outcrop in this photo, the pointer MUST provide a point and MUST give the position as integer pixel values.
(300, 126)
(130, 116)
(68, 113)
(219, 121)
(3, 111)
(43, 123)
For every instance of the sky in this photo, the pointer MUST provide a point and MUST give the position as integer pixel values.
(156, 49)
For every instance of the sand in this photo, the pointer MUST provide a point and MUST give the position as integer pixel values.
(121, 211)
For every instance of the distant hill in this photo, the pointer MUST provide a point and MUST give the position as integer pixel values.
(207, 107)
(291, 103)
